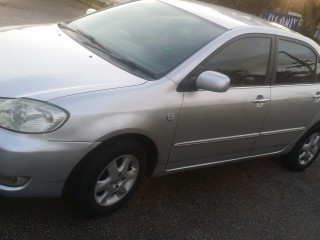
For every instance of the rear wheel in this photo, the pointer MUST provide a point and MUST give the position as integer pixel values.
(109, 178)
(305, 151)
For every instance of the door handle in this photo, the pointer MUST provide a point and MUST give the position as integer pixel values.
(260, 100)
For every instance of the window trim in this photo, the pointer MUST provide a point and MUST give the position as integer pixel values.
(187, 85)
(275, 67)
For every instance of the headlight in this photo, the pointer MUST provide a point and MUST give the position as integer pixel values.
(30, 116)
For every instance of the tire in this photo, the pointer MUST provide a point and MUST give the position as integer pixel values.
(305, 152)
(108, 178)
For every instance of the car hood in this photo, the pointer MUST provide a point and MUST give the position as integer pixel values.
(42, 62)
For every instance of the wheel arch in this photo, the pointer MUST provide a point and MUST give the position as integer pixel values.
(146, 142)
(293, 160)
(289, 148)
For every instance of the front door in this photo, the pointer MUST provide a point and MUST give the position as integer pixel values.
(215, 127)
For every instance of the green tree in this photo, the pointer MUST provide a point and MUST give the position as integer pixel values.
(311, 17)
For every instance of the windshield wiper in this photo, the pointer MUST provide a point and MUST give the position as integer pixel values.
(133, 65)
(94, 44)
(87, 36)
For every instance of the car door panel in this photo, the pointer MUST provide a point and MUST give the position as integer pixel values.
(291, 111)
(295, 97)
(217, 126)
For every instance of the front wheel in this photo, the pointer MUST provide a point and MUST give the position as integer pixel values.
(305, 152)
(109, 178)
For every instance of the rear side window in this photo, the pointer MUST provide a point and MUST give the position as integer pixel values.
(297, 64)
(245, 61)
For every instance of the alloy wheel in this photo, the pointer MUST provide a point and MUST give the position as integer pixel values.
(116, 180)
(309, 149)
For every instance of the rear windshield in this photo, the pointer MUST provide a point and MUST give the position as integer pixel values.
(153, 35)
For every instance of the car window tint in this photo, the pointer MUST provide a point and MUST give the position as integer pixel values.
(245, 61)
(296, 64)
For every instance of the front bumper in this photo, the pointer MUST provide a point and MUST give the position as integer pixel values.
(47, 164)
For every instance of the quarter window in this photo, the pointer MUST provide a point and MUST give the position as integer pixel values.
(245, 61)
(296, 64)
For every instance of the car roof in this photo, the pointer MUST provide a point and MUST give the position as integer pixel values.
(233, 19)
(225, 17)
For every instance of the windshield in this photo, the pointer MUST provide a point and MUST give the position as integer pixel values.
(150, 34)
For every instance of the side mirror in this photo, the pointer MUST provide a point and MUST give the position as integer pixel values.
(90, 10)
(213, 81)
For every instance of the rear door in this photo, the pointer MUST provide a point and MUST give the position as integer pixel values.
(295, 94)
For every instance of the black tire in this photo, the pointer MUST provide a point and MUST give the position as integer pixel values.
(300, 156)
(99, 168)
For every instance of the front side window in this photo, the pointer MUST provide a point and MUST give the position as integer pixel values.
(245, 61)
(296, 64)
(151, 34)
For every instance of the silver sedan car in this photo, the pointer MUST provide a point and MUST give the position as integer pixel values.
(90, 106)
